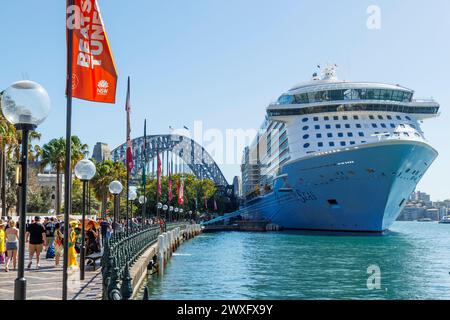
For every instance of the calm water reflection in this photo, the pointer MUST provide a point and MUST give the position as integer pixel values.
(414, 260)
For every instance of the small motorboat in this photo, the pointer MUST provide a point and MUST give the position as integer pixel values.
(445, 220)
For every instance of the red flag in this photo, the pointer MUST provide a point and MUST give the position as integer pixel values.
(159, 170)
(130, 163)
(181, 192)
(170, 186)
(93, 74)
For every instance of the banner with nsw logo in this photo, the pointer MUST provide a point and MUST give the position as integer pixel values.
(94, 75)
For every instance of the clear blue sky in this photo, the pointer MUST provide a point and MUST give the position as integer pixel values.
(222, 62)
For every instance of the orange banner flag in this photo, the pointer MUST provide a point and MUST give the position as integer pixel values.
(94, 75)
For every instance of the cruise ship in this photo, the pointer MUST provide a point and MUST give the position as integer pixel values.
(334, 155)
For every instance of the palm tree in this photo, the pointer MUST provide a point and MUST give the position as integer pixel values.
(54, 154)
(79, 150)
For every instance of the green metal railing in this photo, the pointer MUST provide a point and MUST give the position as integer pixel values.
(121, 251)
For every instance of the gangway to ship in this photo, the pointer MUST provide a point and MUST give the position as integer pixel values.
(223, 218)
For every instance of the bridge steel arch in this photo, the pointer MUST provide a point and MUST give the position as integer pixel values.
(193, 154)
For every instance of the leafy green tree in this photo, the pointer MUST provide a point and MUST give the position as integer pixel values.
(77, 199)
(107, 171)
(193, 189)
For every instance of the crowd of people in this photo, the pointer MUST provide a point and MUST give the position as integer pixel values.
(48, 236)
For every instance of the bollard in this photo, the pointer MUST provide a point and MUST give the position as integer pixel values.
(166, 242)
(161, 264)
(172, 240)
(169, 243)
(161, 251)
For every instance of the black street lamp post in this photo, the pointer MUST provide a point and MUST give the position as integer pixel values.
(115, 188)
(132, 195)
(25, 104)
(85, 171)
(143, 202)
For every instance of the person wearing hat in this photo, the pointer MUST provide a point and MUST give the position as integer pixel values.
(36, 236)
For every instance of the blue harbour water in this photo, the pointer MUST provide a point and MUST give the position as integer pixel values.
(414, 259)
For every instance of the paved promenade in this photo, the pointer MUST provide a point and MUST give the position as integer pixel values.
(46, 283)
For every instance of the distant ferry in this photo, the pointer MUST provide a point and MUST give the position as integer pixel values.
(334, 155)
(425, 220)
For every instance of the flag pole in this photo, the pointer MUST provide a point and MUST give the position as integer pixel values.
(67, 170)
(127, 163)
(144, 177)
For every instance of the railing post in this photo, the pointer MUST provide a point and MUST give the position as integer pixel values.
(127, 286)
(113, 287)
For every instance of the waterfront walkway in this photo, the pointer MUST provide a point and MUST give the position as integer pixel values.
(46, 283)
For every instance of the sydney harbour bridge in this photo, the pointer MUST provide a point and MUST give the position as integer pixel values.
(178, 153)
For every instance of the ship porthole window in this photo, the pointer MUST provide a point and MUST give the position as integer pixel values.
(361, 134)
(319, 135)
(345, 117)
(331, 144)
(320, 144)
(380, 117)
(408, 118)
(316, 118)
(328, 126)
(343, 143)
(317, 127)
(326, 118)
(306, 145)
(374, 125)
(306, 136)
(389, 117)
(399, 118)
(340, 135)
(371, 117)
(305, 128)
(305, 119)
(355, 117)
